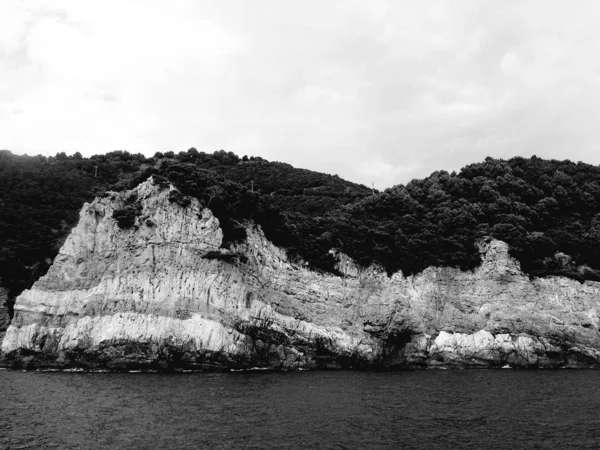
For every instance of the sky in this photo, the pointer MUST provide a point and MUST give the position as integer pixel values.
(374, 91)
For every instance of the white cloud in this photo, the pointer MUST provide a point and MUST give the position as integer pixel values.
(374, 91)
(510, 64)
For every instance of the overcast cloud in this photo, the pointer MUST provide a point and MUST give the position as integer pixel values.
(374, 91)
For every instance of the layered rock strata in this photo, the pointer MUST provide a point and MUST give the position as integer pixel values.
(162, 294)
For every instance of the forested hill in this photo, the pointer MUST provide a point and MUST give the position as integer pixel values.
(547, 210)
(292, 189)
(40, 197)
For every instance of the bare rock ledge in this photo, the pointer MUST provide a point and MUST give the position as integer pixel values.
(163, 295)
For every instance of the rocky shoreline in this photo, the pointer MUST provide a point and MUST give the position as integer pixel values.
(163, 295)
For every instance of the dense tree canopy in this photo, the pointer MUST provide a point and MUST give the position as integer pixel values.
(40, 199)
(548, 211)
(541, 208)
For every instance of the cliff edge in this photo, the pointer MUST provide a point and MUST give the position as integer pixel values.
(143, 283)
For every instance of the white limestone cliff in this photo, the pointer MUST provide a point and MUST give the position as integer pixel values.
(163, 294)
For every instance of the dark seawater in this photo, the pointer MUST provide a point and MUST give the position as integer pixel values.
(432, 409)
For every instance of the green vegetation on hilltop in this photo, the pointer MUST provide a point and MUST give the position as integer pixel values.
(540, 208)
(40, 197)
(547, 211)
(235, 205)
(298, 190)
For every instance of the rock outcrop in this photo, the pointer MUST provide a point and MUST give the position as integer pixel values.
(162, 294)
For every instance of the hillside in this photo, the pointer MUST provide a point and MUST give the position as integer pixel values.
(295, 190)
(548, 211)
(158, 293)
(40, 197)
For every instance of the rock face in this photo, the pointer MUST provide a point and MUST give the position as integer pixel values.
(163, 295)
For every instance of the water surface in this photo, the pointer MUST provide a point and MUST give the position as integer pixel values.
(434, 409)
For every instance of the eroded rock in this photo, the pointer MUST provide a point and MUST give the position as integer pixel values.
(161, 293)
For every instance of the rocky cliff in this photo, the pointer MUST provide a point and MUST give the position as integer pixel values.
(159, 293)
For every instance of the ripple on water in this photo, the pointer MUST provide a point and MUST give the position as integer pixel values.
(416, 409)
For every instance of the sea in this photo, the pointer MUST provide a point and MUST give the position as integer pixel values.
(423, 409)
